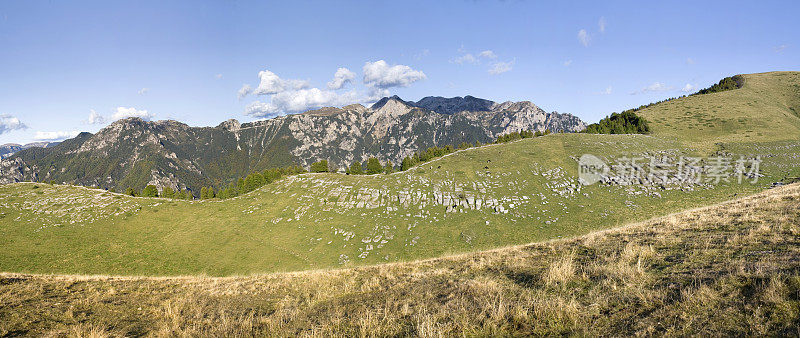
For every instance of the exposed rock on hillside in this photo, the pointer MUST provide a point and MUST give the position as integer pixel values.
(133, 152)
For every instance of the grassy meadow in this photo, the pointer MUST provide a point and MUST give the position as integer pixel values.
(723, 270)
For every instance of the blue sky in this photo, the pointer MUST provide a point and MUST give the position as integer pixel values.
(70, 66)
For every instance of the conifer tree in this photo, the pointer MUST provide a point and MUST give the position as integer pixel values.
(374, 166)
(167, 192)
(355, 169)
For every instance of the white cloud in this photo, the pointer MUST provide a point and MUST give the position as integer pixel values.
(54, 135)
(95, 118)
(376, 94)
(422, 54)
(583, 37)
(244, 91)
(689, 88)
(294, 96)
(689, 61)
(9, 123)
(123, 113)
(567, 63)
(466, 58)
(269, 83)
(342, 77)
(602, 24)
(501, 67)
(488, 54)
(381, 75)
(261, 109)
(469, 58)
(655, 87)
(295, 101)
(143, 91)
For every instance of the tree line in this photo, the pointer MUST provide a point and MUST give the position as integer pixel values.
(242, 186)
(152, 191)
(728, 83)
(626, 122)
(518, 135)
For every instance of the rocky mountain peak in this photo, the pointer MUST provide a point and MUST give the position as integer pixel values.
(382, 102)
(130, 121)
(231, 124)
(454, 105)
(393, 106)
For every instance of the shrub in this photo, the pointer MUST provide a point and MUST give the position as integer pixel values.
(320, 166)
(150, 191)
(131, 192)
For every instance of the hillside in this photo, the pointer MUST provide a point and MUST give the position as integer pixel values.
(765, 109)
(731, 269)
(8, 149)
(479, 198)
(135, 153)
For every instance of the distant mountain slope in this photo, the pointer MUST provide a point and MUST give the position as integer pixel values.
(134, 153)
(8, 149)
(766, 108)
(454, 105)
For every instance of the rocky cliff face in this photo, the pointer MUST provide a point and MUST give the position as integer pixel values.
(134, 153)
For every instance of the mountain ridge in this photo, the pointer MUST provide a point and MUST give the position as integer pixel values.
(133, 152)
(9, 149)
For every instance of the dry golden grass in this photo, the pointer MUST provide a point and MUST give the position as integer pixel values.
(729, 269)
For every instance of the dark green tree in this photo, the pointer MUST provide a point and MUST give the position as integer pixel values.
(355, 169)
(374, 166)
(320, 166)
(167, 192)
(130, 192)
(150, 191)
(626, 122)
(184, 195)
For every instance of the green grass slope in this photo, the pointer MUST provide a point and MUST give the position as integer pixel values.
(316, 221)
(765, 109)
(726, 270)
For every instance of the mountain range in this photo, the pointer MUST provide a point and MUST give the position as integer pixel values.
(134, 153)
(8, 149)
